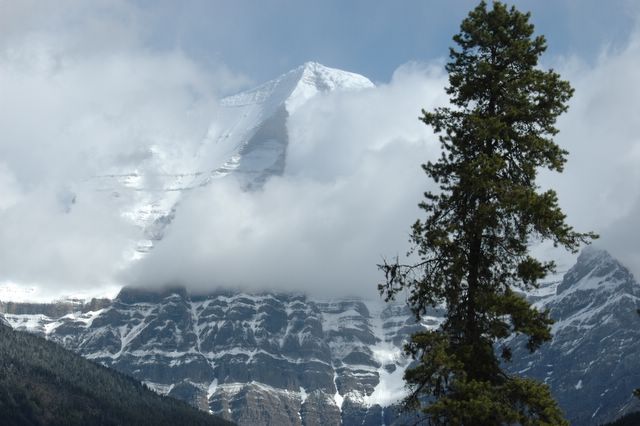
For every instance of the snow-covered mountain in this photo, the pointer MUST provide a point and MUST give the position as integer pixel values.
(286, 359)
(248, 140)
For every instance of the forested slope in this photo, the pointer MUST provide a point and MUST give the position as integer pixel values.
(43, 383)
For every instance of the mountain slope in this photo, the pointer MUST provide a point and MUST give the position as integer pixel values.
(42, 383)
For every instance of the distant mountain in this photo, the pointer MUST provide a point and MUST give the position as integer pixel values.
(259, 132)
(42, 383)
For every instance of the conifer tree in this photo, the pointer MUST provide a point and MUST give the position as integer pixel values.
(473, 246)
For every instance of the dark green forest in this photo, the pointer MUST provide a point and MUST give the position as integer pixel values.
(632, 419)
(41, 383)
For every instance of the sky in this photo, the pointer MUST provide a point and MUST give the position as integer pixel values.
(92, 87)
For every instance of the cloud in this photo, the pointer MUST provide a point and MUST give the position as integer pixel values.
(600, 188)
(48, 243)
(82, 95)
(349, 194)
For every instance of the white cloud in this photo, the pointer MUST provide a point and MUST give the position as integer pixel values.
(349, 194)
(45, 243)
(82, 96)
(10, 193)
(600, 188)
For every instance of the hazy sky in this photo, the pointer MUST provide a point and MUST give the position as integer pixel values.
(89, 87)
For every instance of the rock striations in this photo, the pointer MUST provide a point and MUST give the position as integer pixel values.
(277, 359)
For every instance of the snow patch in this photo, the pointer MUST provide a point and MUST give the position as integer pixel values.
(160, 388)
(212, 388)
(339, 399)
(33, 323)
(390, 389)
(391, 386)
(303, 395)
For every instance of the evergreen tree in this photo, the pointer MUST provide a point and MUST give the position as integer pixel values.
(473, 246)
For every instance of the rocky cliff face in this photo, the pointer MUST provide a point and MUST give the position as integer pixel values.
(284, 359)
(254, 359)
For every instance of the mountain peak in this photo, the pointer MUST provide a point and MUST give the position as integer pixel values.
(312, 66)
(595, 269)
(294, 88)
(593, 253)
(317, 78)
